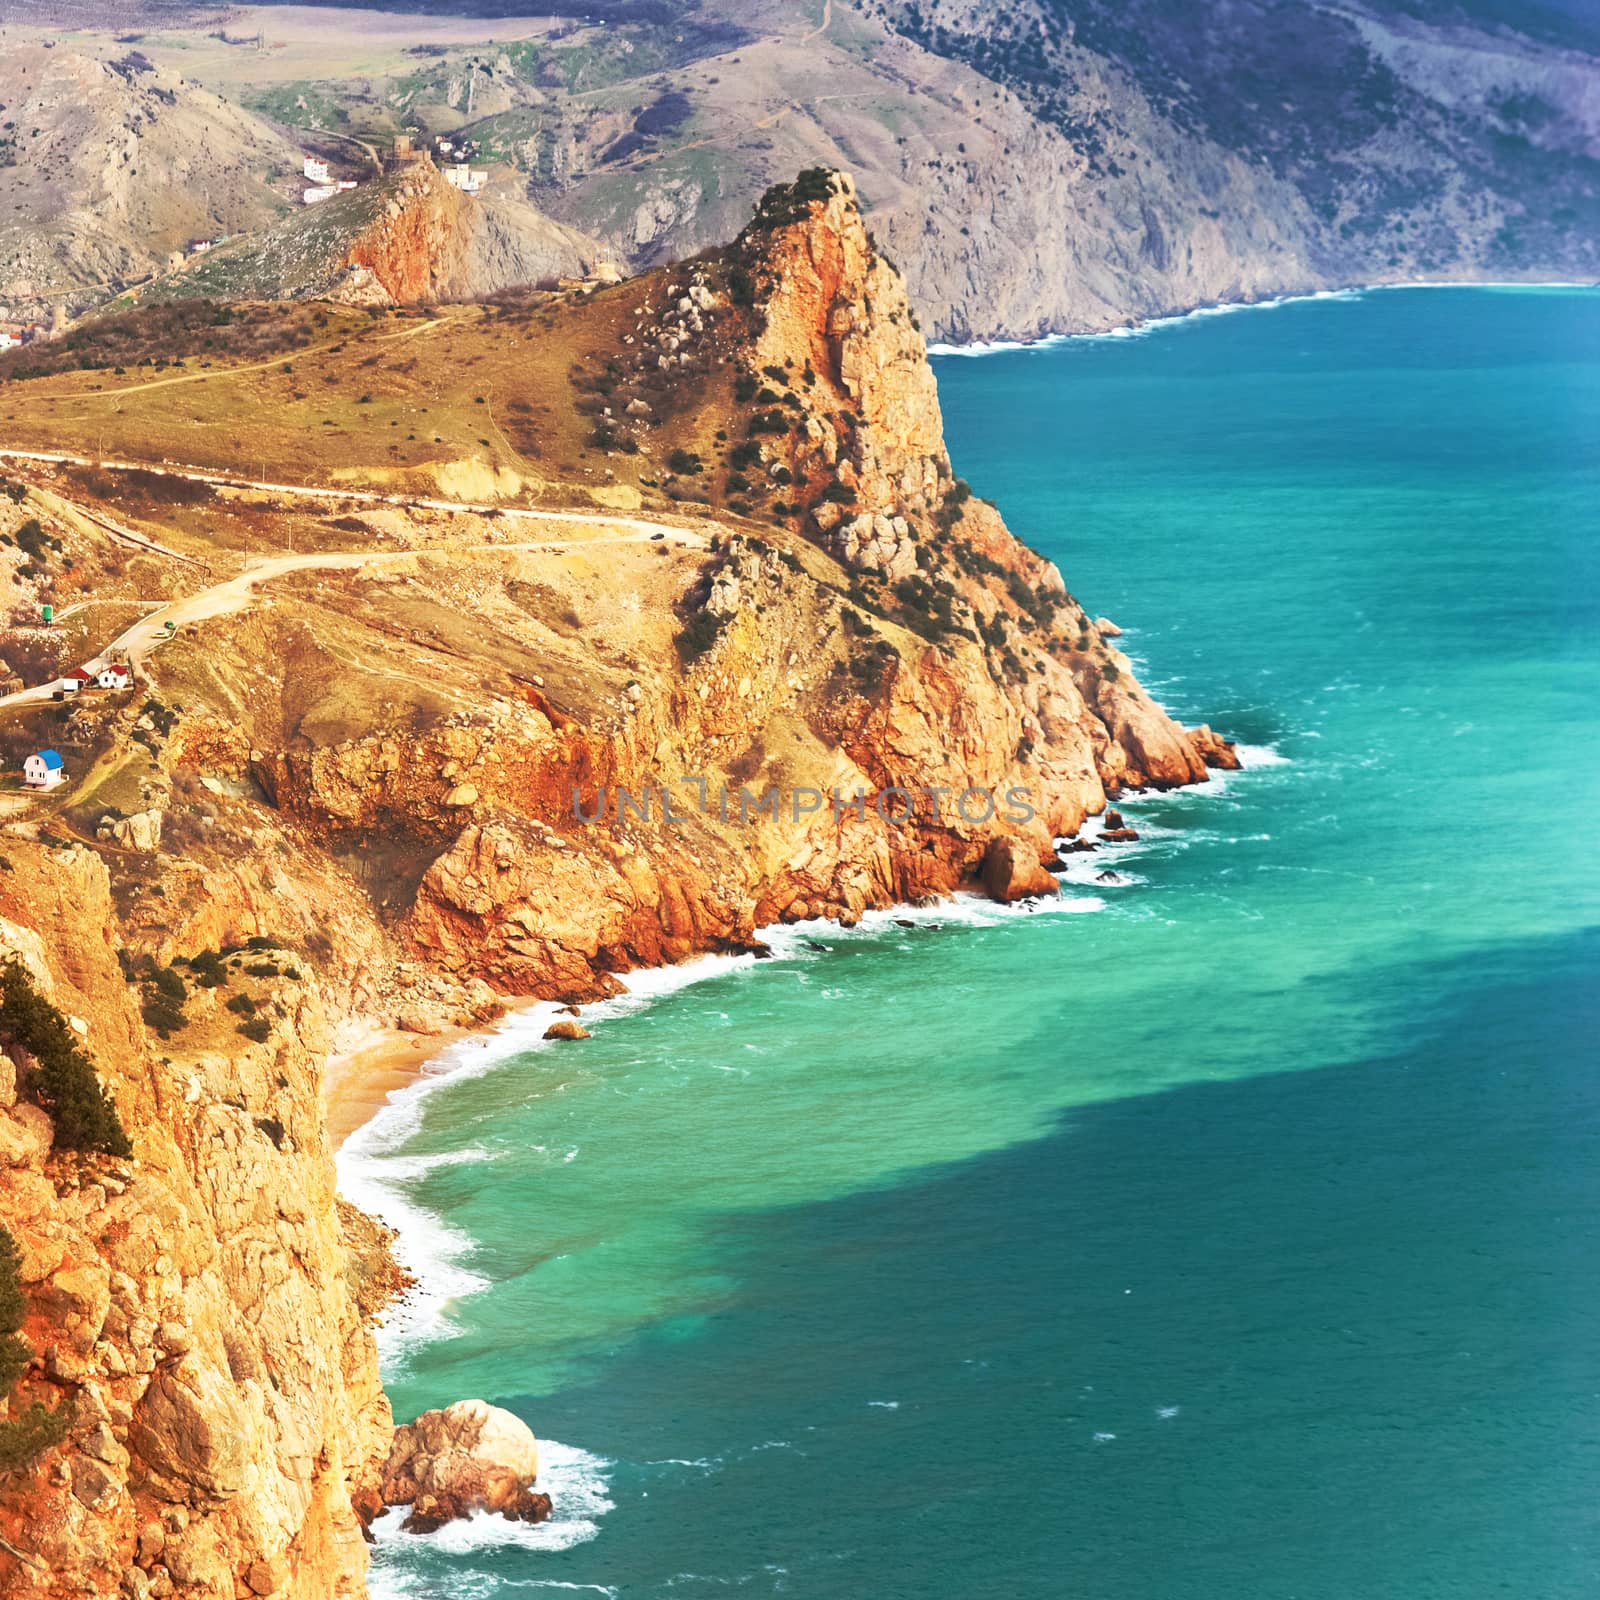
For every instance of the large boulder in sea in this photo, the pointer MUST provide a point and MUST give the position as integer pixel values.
(1213, 749)
(471, 1456)
(1011, 870)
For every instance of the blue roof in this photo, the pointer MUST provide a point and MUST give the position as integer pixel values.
(51, 758)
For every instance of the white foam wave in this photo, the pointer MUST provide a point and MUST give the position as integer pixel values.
(377, 1177)
(1252, 757)
(993, 347)
(1149, 325)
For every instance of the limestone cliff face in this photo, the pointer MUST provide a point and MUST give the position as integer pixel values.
(916, 647)
(191, 1305)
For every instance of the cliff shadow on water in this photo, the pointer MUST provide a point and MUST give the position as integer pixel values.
(1229, 1331)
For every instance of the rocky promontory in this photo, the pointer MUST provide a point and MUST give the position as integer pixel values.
(744, 649)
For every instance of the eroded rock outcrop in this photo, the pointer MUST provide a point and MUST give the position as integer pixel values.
(467, 1457)
(918, 649)
(188, 1305)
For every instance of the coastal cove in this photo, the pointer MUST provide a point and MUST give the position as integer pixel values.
(1162, 1242)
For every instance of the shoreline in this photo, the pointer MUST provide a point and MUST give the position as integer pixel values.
(358, 1079)
(381, 1065)
(1139, 326)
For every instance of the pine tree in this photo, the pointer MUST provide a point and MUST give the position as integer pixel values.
(63, 1081)
(36, 1427)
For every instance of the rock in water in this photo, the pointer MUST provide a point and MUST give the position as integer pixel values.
(1213, 749)
(469, 1457)
(566, 1028)
(1011, 871)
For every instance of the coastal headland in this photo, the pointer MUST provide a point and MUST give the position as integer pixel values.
(429, 575)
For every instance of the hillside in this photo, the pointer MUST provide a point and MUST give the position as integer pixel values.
(109, 165)
(400, 240)
(1033, 166)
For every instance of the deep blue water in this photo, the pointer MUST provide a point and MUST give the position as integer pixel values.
(1227, 1235)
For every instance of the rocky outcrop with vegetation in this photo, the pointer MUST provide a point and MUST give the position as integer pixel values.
(407, 238)
(759, 656)
(199, 1389)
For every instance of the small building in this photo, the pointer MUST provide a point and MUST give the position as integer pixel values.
(315, 171)
(404, 147)
(43, 769)
(198, 247)
(464, 178)
(73, 682)
(346, 183)
(8, 340)
(114, 676)
(313, 196)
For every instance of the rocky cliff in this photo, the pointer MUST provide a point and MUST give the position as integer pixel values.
(191, 1306)
(908, 644)
(445, 755)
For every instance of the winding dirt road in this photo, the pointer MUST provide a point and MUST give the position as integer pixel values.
(233, 594)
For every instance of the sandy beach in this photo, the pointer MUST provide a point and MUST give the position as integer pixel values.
(375, 1062)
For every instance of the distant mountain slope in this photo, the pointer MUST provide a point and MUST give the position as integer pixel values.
(407, 238)
(1032, 165)
(107, 166)
(1413, 147)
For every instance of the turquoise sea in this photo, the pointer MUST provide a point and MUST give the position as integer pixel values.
(1230, 1233)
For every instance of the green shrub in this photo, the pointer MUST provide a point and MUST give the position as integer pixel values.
(685, 462)
(169, 984)
(23, 1436)
(257, 1028)
(699, 633)
(34, 1430)
(162, 1017)
(62, 1081)
(242, 1005)
(207, 969)
(13, 1352)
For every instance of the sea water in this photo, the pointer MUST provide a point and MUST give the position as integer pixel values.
(1226, 1233)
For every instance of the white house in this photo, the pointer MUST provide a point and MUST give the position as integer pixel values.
(316, 171)
(114, 676)
(8, 341)
(464, 178)
(43, 769)
(325, 192)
